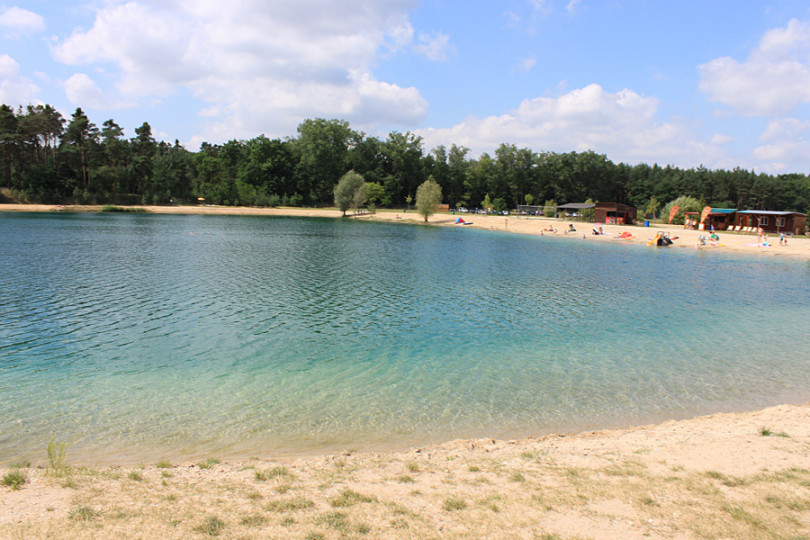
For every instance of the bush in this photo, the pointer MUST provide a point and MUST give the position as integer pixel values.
(684, 204)
(15, 479)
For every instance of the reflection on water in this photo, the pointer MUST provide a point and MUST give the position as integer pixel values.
(136, 337)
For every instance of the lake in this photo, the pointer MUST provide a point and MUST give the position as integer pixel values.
(141, 337)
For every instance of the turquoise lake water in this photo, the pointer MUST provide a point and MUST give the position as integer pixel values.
(141, 337)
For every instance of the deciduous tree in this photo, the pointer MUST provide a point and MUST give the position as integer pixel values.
(349, 192)
(428, 197)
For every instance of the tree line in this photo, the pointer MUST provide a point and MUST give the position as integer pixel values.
(47, 158)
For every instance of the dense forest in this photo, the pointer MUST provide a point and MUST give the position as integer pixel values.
(47, 158)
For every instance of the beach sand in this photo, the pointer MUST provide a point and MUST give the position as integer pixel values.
(738, 475)
(798, 246)
(741, 475)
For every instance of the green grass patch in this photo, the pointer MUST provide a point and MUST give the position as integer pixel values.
(208, 463)
(743, 515)
(83, 513)
(163, 464)
(413, 466)
(349, 497)
(276, 473)
(452, 504)
(766, 432)
(405, 479)
(254, 520)
(15, 479)
(213, 526)
(289, 505)
(399, 523)
(335, 520)
(517, 477)
(135, 475)
(474, 468)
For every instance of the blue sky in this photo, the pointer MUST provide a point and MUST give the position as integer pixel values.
(722, 83)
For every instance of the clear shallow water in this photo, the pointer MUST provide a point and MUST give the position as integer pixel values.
(139, 337)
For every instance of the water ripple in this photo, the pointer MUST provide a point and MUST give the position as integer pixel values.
(135, 338)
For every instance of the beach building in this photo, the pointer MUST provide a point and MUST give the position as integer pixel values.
(602, 212)
(720, 218)
(771, 221)
(615, 213)
(576, 210)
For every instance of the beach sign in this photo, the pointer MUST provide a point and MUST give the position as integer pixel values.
(672, 213)
(703, 215)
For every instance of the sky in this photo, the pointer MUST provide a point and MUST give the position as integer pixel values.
(718, 83)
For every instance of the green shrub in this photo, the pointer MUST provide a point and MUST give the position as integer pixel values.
(15, 479)
(57, 454)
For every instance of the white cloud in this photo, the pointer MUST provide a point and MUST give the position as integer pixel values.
(17, 22)
(435, 47)
(721, 139)
(784, 128)
(527, 64)
(622, 125)
(14, 88)
(82, 91)
(572, 6)
(775, 78)
(785, 145)
(258, 67)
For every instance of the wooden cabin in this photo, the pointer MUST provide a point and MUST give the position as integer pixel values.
(615, 213)
(772, 221)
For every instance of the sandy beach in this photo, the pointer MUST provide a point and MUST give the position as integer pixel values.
(720, 476)
(735, 475)
(797, 246)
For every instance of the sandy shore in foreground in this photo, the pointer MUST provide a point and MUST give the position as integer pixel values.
(798, 246)
(720, 476)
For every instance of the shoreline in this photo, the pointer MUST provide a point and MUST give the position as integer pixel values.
(731, 475)
(730, 242)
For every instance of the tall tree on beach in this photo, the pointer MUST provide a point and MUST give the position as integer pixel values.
(428, 197)
(350, 192)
